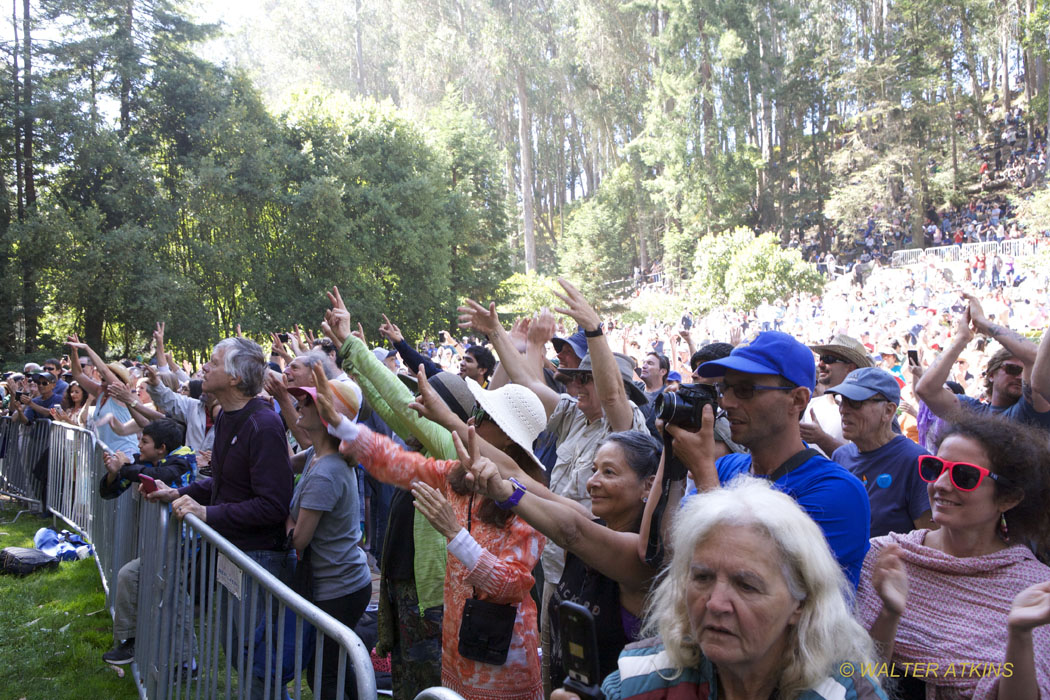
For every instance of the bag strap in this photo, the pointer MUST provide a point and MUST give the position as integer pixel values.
(793, 462)
(219, 456)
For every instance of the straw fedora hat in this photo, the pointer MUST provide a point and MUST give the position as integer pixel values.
(849, 349)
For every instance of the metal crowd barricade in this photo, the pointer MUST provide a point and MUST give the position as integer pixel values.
(1019, 247)
(21, 448)
(906, 257)
(75, 470)
(211, 620)
(948, 253)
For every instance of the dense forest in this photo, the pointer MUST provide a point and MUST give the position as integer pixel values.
(416, 151)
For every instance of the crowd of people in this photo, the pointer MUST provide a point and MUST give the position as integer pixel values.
(832, 496)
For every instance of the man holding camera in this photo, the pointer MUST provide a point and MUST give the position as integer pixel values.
(39, 407)
(765, 386)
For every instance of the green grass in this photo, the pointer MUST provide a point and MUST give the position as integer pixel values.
(54, 627)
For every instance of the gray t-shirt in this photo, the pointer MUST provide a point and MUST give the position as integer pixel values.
(340, 567)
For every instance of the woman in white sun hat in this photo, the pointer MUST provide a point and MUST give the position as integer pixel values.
(491, 651)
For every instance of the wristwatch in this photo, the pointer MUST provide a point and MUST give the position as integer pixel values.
(595, 333)
(133, 404)
(515, 498)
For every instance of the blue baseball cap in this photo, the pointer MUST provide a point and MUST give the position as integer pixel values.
(577, 341)
(771, 352)
(674, 377)
(862, 384)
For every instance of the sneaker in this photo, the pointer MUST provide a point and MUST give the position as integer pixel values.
(123, 653)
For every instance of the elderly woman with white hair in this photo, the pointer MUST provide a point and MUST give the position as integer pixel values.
(752, 606)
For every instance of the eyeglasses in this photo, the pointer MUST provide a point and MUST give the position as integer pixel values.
(854, 404)
(831, 359)
(584, 378)
(964, 476)
(479, 415)
(50, 369)
(747, 391)
(1012, 370)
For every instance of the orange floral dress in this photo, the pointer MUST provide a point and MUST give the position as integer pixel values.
(503, 574)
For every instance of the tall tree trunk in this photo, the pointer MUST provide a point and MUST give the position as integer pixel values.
(951, 120)
(525, 146)
(18, 115)
(1005, 49)
(27, 102)
(125, 68)
(360, 48)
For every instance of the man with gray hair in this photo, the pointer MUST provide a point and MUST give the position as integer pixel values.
(247, 498)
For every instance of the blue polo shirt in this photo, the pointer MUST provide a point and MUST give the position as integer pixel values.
(829, 494)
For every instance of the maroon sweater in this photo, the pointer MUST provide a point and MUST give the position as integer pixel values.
(255, 487)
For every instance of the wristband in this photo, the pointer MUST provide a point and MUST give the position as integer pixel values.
(595, 333)
(515, 498)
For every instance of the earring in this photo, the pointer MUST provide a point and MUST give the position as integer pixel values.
(1004, 531)
(645, 499)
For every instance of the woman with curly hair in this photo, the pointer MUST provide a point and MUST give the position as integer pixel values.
(971, 593)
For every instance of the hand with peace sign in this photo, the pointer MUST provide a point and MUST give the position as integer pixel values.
(482, 474)
(337, 319)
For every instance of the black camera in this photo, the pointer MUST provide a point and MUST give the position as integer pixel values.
(685, 408)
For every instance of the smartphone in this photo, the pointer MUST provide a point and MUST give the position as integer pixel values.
(579, 651)
(283, 337)
(913, 357)
(149, 484)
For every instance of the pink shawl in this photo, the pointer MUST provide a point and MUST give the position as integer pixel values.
(956, 614)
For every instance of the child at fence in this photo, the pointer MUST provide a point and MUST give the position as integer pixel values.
(161, 457)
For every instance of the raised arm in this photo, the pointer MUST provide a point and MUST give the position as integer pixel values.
(610, 552)
(1041, 368)
(1020, 347)
(475, 316)
(1030, 609)
(930, 387)
(393, 396)
(408, 354)
(607, 380)
(89, 385)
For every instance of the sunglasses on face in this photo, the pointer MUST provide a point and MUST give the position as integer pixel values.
(1013, 370)
(964, 476)
(747, 391)
(584, 379)
(50, 369)
(854, 404)
(479, 415)
(831, 359)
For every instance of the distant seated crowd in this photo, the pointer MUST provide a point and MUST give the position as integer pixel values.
(831, 497)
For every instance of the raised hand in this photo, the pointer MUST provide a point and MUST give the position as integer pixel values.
(541, 330)
(476, 317)
(325, 397)
(120, 392)
(482, 475)
(978, 321)
(436, 508)
(152, 378)
(73, 341)
(390, 331)
(577, 307)
(736, 336)
(239, 334)
(273, 384)
(428, 404)
(337, 319)
(158, 335)
(278, 347)
(890, 579)
(519, 332)
(963, 330)
(1031, 607)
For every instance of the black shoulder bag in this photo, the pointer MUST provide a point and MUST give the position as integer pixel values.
(487, 628)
